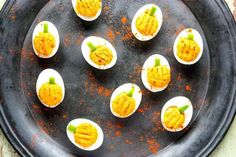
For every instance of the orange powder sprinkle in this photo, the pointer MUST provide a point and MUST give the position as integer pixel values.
(118, 133)
(181, 28)
(124, 20)
(153, 146)
(141, 110)
(110, 34)
(188, 88)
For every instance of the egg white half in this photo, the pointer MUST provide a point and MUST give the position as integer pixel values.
(44, 78)
(178, 101)
(86, 18)
(158, 15)
(79, 121)
(51, 29)
(150, 62)
(197, 38)
(96, 42)
(126, 88)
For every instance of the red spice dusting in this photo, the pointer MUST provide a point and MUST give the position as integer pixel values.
(103, 91)
(136, 72)
(188, 88)
(94, 87)
(128, 35)
(128, 141)
(106, 8)
(117, 33)
(79, 39)
(153, 146)
(65, 116)
(1, 58)
(124, 20)
(67, 39)
(43, 126)
(118, 133)
(110, 34)
(181, 28)
(141, 110)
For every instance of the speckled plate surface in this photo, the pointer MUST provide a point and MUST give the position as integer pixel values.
(38, 131)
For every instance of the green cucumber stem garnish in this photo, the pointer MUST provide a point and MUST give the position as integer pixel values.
(190, 36)
(131, 92)
(153, 10)
(183, 108)
(91, 46)
(52, 80)
(157, 62)
(45, 28)
(72, 128)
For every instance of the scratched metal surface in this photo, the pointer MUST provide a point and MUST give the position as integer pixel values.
(41, 131)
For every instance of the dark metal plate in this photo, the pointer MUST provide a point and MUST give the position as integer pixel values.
(38, 131)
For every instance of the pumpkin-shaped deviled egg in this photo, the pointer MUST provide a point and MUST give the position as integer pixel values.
(147, 22)
(99, 53)
(85, 134)
(156, 74)
(45, 40)
(50, 88)
(188, 47)
(176, 114)
(88, 10)
(125, 100)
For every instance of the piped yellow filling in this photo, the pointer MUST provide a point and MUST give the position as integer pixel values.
(50, 94)
(44, 43)
(173, 119)
(102, 55)
(88, 7)
(187, 50)
(147, 24)
(158, 76)
(86, 135)
(123, 104)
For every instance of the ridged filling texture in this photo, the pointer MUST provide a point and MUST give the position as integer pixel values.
(187, 50)
(123, 104)
(88, 7)
(102, 55)
(86, 135)
(158, 76)
(173, 119)
(147, 24)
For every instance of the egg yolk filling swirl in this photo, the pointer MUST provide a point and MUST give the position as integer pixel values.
(147, 23)
(187, 48)
(159, 75)
(85, 134)
(88, 8)
(174, 117)
(100, 55)
(123, 105)
(44, 42)
(50, 93)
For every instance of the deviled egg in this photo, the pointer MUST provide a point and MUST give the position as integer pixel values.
(99, 53)
(125, 100)
(45, 40)
(156, 73)
(147, 22)
(188, 46)
(85, 134)
(50, 88)
(176, 114)
(87, 10)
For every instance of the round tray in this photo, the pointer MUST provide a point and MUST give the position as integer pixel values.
(35, 130)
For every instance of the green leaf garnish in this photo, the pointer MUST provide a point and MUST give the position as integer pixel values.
(183, 108)
(91, 46)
